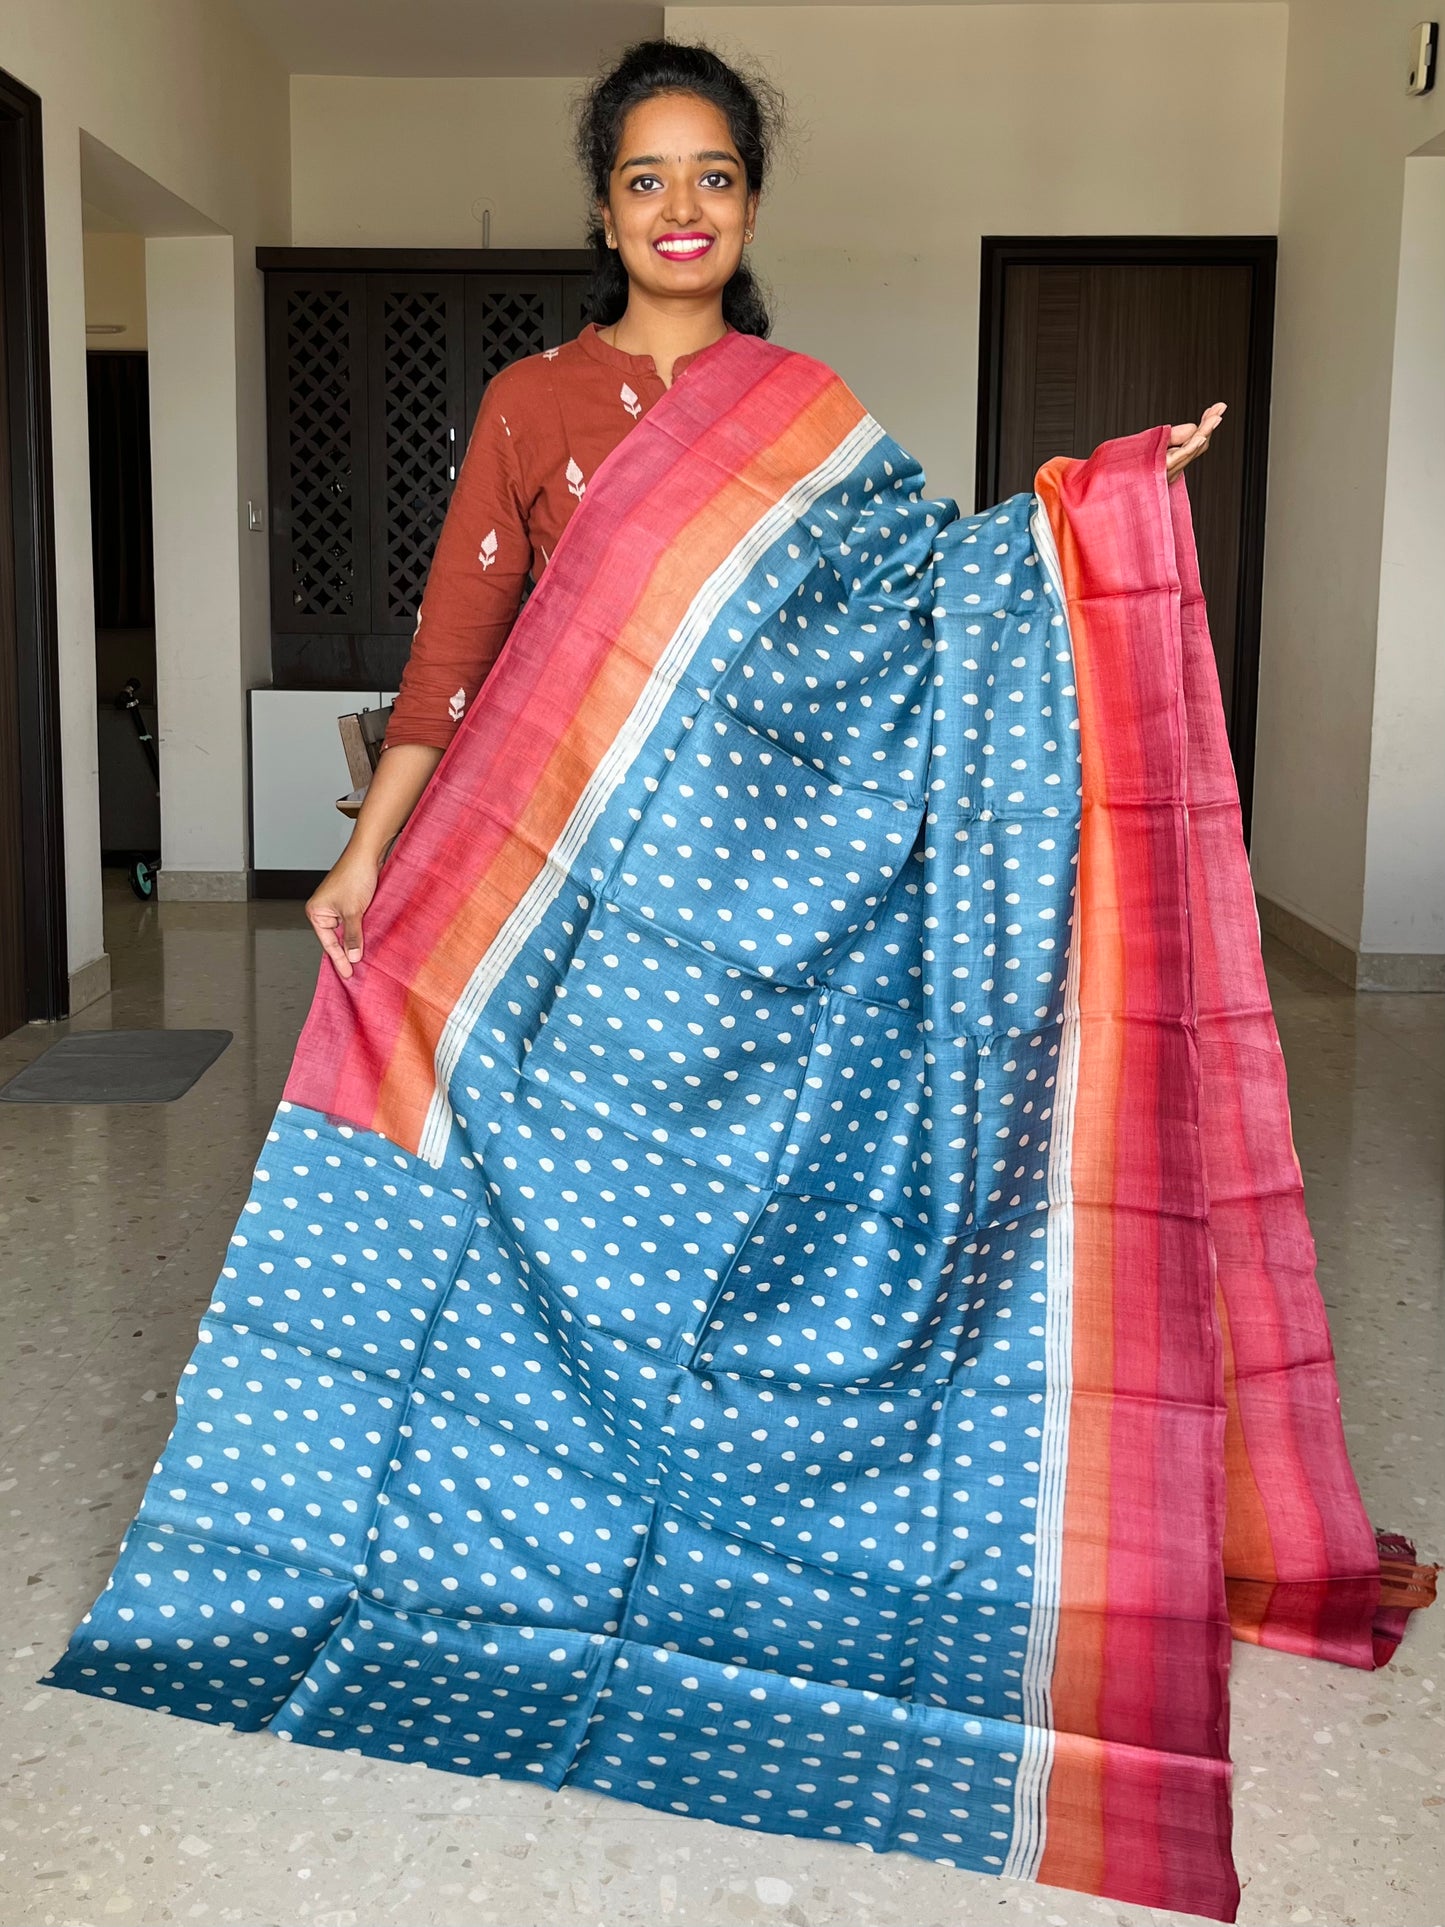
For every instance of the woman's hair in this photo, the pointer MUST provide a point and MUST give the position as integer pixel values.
(753, 108)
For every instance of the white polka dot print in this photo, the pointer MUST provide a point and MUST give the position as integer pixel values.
(680, 1436)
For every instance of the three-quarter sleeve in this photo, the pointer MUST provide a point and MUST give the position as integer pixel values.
(474, 588)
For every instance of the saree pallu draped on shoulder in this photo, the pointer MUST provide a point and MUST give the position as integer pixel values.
(780, 1287)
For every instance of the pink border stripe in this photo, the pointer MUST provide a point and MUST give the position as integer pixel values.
(1321, 1556)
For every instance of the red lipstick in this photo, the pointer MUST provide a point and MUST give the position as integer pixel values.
(689, 246)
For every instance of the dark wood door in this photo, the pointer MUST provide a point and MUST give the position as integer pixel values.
(13, 1000)
(508, 316)
(576, 304)
(318, 454)
(375, 366)
(122, 545)
(416, 398)
(1089, 340)
(33, 961)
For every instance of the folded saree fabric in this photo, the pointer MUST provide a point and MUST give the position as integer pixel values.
(780, 1289)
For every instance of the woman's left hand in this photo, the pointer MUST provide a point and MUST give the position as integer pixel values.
(1188, 439)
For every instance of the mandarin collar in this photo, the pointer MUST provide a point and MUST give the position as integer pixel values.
(592, 343)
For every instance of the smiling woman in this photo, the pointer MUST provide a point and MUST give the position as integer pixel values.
(779, 1288)
(675, 145)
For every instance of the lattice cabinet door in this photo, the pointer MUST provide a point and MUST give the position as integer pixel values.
(508, 316)
(576, 304)
(417, 345)
(316, 401)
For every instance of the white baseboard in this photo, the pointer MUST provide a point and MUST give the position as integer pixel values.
(1380, 970)
(203, 886)
(90, 983)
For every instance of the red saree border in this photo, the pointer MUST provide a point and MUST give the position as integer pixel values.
(1300, 1555)
(1138, 1793)
(1208, 1491)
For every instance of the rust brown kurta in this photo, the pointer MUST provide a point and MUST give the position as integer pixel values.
(544, 426)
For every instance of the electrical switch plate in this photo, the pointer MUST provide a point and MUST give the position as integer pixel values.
(1424, 44)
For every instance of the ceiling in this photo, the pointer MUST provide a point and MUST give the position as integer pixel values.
(465, 37)
(117, 198)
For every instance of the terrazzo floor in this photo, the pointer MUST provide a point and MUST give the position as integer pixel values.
(112, 1227)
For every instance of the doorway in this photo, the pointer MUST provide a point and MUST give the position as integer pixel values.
(33, 979)
(1083, 339)
(122, 551)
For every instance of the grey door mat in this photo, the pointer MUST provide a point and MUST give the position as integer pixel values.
(117, 1067)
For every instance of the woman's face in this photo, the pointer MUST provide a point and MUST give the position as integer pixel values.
(678, 204)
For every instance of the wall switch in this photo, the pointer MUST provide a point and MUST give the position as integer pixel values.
(256, 517)
(1424, 47)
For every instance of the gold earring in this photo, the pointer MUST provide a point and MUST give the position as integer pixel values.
(747, 234)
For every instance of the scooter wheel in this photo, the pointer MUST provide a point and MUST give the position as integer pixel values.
(143, 879)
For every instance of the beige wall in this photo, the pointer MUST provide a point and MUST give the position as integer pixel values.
(1404, 908)
(115, 288)
(918, 129)
(1348, 129)
(201, 650)
(406, 163)
(183, 93)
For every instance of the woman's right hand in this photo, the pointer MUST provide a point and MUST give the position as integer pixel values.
(345, 893)
(340, 901)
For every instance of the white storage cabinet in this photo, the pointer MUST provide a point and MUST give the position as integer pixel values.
(298, 770)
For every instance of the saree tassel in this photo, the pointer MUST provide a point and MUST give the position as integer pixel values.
(1404, 1583)
(1405, 1587)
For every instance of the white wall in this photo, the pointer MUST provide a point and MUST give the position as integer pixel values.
(182, 92)
(1404, 908)
(404, 163)
(194, 461)
(918, 129)
(1348, 129)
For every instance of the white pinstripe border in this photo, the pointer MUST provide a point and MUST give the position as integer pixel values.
(1031, 1784)
(542, 892)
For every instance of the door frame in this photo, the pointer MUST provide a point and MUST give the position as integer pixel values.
(1258, 253)
(27, 377)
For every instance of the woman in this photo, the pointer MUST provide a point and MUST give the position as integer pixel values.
(748, 1288)
(675, 144)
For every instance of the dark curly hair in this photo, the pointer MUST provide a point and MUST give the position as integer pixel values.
(753, 108)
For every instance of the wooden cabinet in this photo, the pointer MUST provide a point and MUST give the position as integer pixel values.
(316, 402)
(417, 425)
(375, 365)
